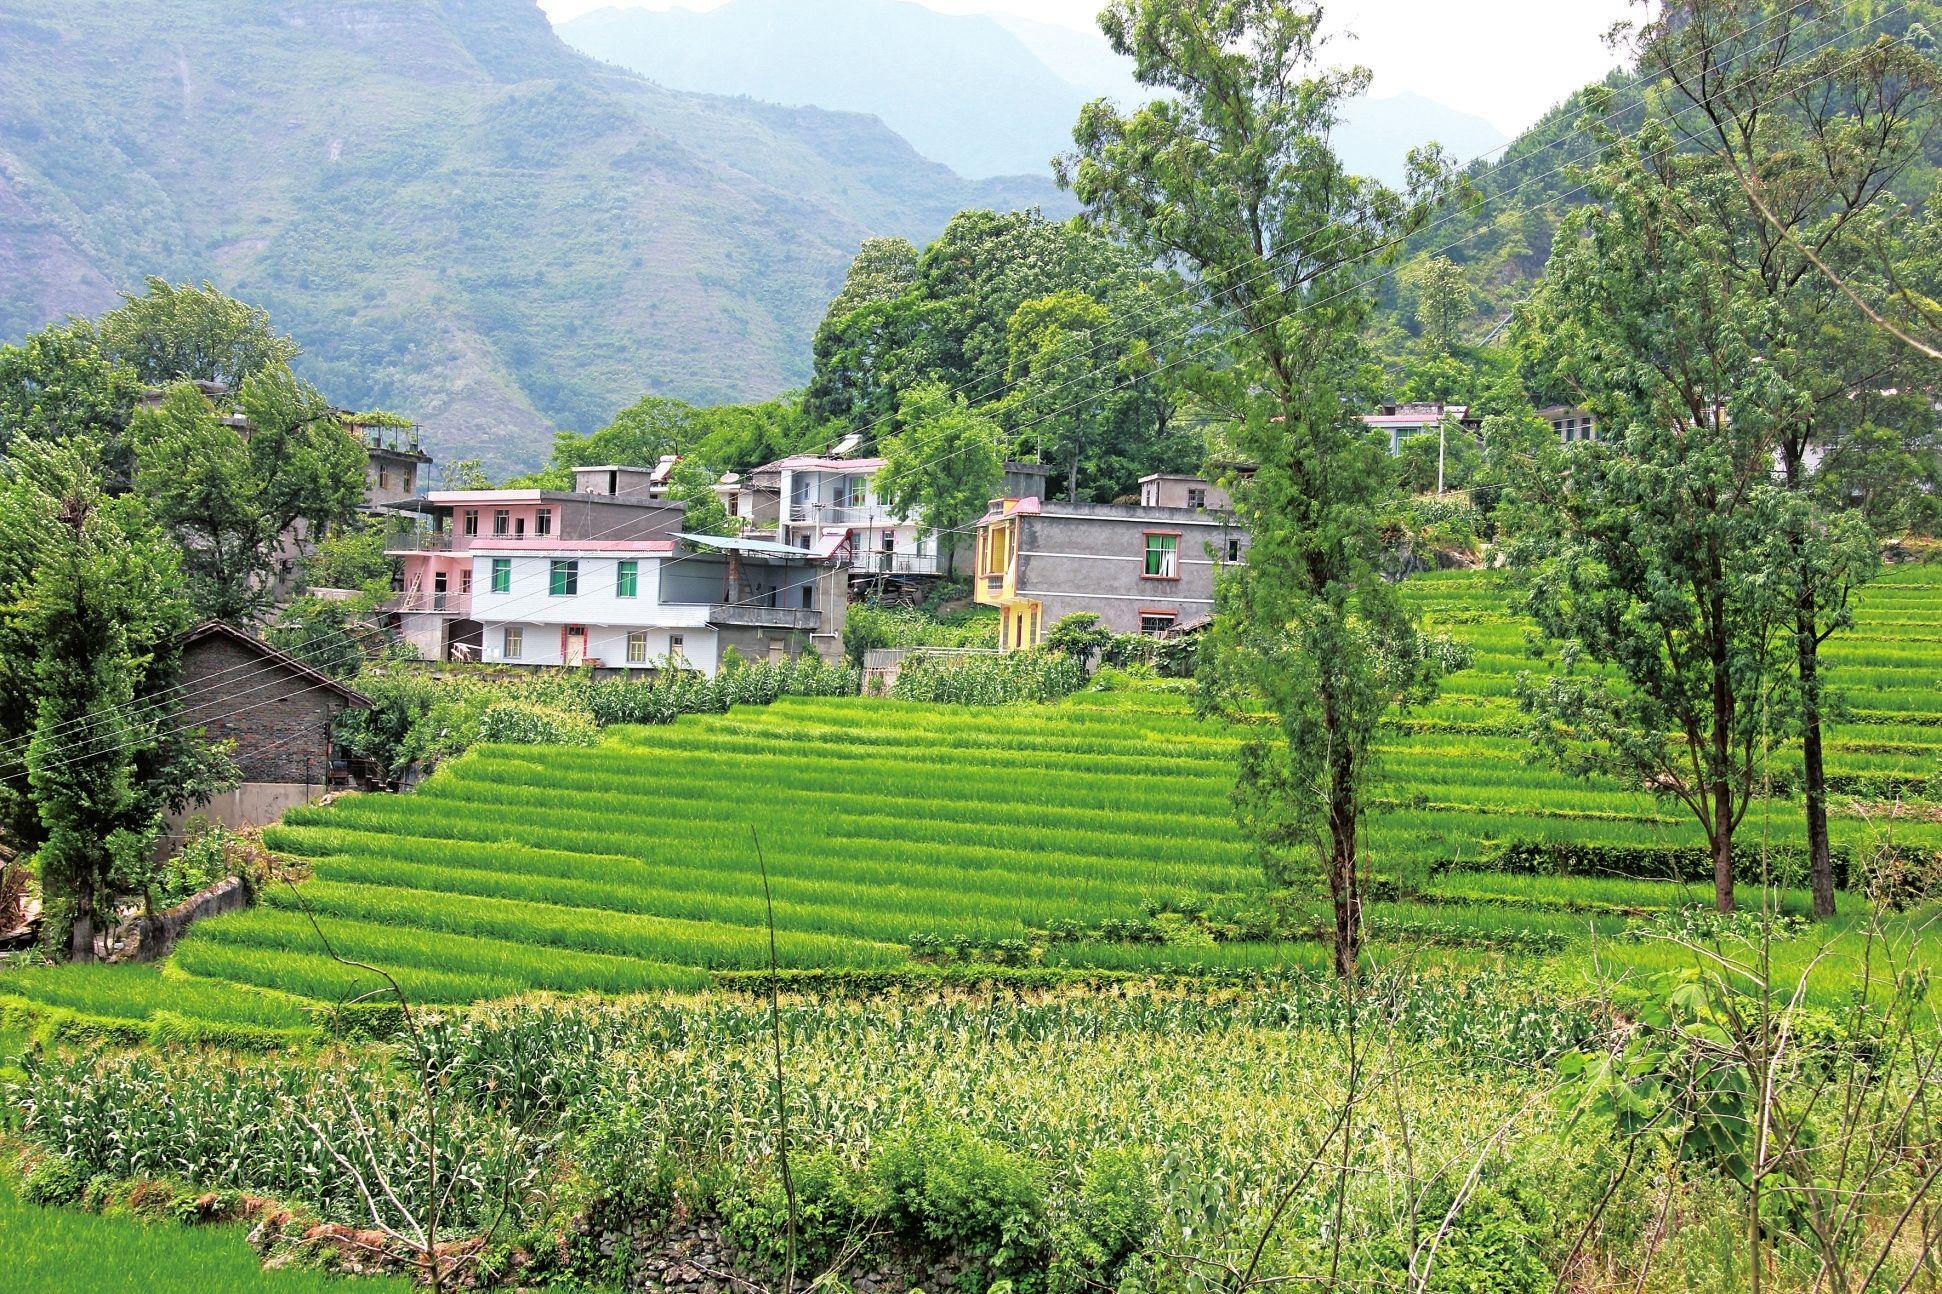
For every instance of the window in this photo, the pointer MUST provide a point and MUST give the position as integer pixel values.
(627, 580)
(637, 647)
(384, 479)
(471, 524)
(997, 553)
(566, 579)
(1196, 498)
(465, 581)
(543, 522)
(515, 643)
(856, 492)
(1233, 550)
(502, 575)
(674, 647)
(1162, 557)
(501, 521)
(1155, 623)
(889, 541)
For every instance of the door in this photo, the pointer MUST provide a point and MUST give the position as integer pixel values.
(576, 645)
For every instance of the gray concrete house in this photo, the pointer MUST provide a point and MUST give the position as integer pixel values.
(1141, 568)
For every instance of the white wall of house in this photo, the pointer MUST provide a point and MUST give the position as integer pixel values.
(540, 643)
(530, 606)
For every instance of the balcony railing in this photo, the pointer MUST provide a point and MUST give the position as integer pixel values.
(829, 514)
(766, 617)
(896, 563)
(419, 541)
(436, 604)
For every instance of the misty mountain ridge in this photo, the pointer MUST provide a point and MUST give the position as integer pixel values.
(987, 95)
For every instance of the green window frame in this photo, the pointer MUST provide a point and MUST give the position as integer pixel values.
(565, 578)
(502, 575)
(627, 580)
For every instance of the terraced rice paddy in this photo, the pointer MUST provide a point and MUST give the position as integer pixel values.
(633, 866)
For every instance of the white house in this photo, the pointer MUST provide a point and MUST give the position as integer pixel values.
(805, 500)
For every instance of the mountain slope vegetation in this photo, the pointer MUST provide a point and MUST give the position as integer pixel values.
(455, 214)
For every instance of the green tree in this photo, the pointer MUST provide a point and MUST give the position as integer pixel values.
(1442, 297)
(1063, 373)
(942, 465)
(56, 383)
(1231, 176)
(352, 557)
(91, 606)
(180, 333)
(234, 497)
(1659, 555)
(1802, 140)
(463, 474)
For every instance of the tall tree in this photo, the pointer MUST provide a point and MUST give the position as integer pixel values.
(1231, 177)
(1441, 296)
(942, 465)
(56, 383)
(1656, 554)
(91, 604)
(1065, 376)
(1814, 126)
(234, 497)
(176, 333)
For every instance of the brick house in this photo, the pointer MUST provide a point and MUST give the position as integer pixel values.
(275, 708)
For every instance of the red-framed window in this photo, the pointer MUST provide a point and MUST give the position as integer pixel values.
(1162, 558)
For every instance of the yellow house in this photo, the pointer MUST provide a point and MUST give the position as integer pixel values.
(1021, 622)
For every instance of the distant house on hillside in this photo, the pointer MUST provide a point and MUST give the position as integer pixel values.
(1401, 422)
(604, 576)
(1571, 423)
(1141, 568)
(278, 711)
(395, 465)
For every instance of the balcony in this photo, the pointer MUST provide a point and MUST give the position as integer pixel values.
(829, 514)
(896, 563)
(418, 541)
(432, 604)
(766, 618)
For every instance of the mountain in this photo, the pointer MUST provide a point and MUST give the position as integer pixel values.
(456, 215)
(984, 95)
(962, 89)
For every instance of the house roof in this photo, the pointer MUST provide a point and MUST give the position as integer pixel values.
(819, 463)
(256, 646)
(753, 547)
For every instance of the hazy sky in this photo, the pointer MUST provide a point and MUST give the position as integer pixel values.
(1504, 60)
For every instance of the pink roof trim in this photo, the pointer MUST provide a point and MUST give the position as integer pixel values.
(647, 547)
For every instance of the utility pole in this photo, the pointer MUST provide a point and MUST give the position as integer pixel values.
(1442, 441)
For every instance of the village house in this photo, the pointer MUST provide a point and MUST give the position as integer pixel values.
(604, 576)
(1572, 424)
(806, 500)
(276, 710)
(1401, 422)
(1142, 569)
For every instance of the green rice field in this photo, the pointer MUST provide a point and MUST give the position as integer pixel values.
(633, 866)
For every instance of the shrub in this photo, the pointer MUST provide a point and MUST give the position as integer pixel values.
(214, 855)
(1784, 865)
(54, 1179)
(990, 680)
(519, 723)
(945, 1186)
(1108, 1223)
(831, 1209)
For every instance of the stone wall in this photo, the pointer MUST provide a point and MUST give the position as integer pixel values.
(691, 1255)
(158, 935)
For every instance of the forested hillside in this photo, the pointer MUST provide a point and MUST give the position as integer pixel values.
(455, 215)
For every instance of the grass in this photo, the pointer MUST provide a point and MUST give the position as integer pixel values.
(630, 866)
(51, 1249)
